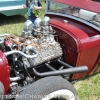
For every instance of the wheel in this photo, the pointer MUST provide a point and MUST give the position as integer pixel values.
(49, 88)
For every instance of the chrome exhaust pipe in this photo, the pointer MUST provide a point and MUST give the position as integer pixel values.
(21, 53)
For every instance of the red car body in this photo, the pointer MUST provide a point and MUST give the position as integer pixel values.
(4, 72)
(80, 41)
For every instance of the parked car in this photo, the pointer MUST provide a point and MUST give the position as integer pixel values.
(61, 48)
(12, 7)
(82, 23)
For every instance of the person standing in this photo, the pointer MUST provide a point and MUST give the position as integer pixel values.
(33, 9)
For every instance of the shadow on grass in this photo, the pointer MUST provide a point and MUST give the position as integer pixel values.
(12, 19)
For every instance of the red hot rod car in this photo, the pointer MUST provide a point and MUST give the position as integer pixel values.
(52, 52)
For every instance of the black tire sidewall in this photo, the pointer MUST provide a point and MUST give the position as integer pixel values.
(45, 86)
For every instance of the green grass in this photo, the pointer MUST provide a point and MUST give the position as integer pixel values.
(87, 88)
(15, 24)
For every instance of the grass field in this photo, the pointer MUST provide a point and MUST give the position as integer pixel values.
(15, 24)
(87, 88)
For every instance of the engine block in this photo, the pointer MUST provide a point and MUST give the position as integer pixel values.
(46, 47)
(47, 52)
(39, 38)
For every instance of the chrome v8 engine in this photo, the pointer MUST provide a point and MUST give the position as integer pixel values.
(40, 37)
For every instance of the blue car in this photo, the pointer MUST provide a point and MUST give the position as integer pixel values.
(12, 7)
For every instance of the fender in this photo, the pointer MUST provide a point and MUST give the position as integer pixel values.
(78, 45)
(4, 73)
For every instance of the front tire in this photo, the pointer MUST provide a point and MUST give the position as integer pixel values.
(49, 88)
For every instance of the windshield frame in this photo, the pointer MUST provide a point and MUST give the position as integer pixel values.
(70, 16)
